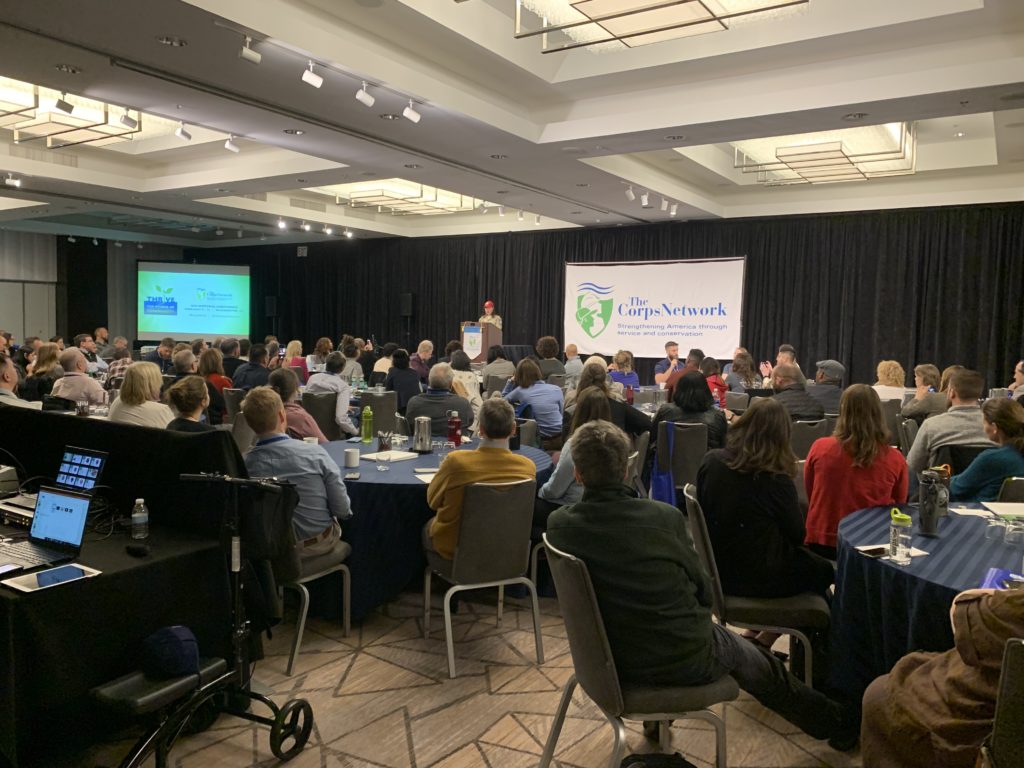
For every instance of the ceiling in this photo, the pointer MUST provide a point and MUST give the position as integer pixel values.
(558, 136)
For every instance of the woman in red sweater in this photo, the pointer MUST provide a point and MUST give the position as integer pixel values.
(853, 469)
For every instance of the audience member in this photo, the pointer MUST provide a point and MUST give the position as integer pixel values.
(244, 350)
(420, 362)
(573, 366)
(383, 365)
(402, 379)
(329, 380)
(665, 368)
(623, 372)
(161, 356)
(285, 381)
(742, 375)
(270, 339)
(463, 375)
(631, 420)
(663, 634)
(1003, 421)
(450, 347)
(962, 424)
(1017, 385)
(367, 357)
(189, 396)
(230, 360)
(116, 369)
(491, 462)
(198, 347)
(9, 386)
(891, 384)
(791, 393)
(120, 342)
(273, 356)
(324, 346)
(693, 360)
(26, 353)
(928, 400)
(323, 500)
(211, 368)
(139, 400)
(854, 468)
(253, 373)
(936, 709)
(692, 404)
(43, 373)
(102, 338)
(497, 363)
(828, 384)
(727, 368)
(186, 365)
(547, 357)
(544, 401)
(293, 358)
(181, 346)
(716, 384)
(785, 356)
(352, 370)
(76, 384)
(438, 401)
(94, 363)
(59, 341)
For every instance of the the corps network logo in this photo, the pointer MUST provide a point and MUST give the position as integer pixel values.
(201, 294)
(594, 308)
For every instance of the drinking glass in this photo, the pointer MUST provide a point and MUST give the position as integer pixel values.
(1014, 535)
(995, 529)
(383, 461)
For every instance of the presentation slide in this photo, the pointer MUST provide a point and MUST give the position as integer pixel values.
(188, 301)
(641, 305)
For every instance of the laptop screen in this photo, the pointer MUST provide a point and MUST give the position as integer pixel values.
(60, 517)
(80, 469)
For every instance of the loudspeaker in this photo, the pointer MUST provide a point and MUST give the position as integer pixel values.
(405, 304)
(270, 303)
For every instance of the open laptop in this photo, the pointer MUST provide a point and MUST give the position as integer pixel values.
(80, 470)
(58, 525)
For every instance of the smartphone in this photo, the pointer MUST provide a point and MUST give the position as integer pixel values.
(875, 551)
(351, 475)
(51, 577)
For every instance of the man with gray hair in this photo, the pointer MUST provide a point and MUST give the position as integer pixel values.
(76, 384)
(788, 383)
(185, 364)
(654, 594)
(438, 401)
(420, 361)
(828, 384)
(330, 380)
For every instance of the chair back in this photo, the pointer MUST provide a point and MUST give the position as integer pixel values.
(642, 444)
(494, 383)
(115, 383)
(1007, 744)
(803, 435)
(55, 403)
(377, 378)
(702, 543)
(958, 457)
(242, 433)
(891, 411)
(737, 401)
(557, 379)
(527, 429)
(168, 379)
(908, 434)
(384, 406)
(402, 425)
(233, 402)
(801, 488)
(494, 532)
(690, 443)
(321, 406)
(584, 629)
(1012, 490)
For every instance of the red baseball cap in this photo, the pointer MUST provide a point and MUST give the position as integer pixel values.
(488, 303)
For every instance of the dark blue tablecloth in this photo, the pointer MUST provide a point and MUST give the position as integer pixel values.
(390, 509)
(883, 611)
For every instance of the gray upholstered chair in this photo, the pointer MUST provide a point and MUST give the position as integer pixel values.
(494, 384)
(242, 433)
(493, 550)
(803, 435)
(314, 568)
(556, 379)
(801, 488)
(908, 434)
(594, 671)
(233, 402)
(527, 429)
(641, 444)
(1005, 748)
(690, 443)
(737, 401)
(891, 410)
(785, 615)
(384, 406)
(322, 406)
(1012, 490)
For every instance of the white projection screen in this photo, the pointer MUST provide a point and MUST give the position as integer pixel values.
(640, 305)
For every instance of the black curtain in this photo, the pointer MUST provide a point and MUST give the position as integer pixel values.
(939, 285)
(81, 291)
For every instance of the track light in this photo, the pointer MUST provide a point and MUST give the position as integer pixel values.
(305, 227)
(72, 239)
(664, 204)
(64, 105)
(537, 221)
(128, 121)
(230, 145)
(239, 234)
(312, 78)
(117, 243)
(501, 210)
(364, 97)
(520, 216)
(181, 133)
(12, 180)
(411, 114)
(219, 232)
(139, 246)
(281, 224)
(645, 199)
(348, 233)
(328, 231)
(673, 209)
(95, 241)
(247, 53)
(630, 194)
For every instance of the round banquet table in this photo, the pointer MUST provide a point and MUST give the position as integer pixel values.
(389, 511)
(883, 611)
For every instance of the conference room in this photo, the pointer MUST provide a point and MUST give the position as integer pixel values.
(742, 276)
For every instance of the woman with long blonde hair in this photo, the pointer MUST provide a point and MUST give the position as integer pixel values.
(294, 359)
(42, 372)
(139, 399)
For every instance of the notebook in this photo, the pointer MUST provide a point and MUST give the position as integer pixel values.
(58, 524)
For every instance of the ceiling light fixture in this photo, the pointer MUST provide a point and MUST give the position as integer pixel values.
(219, 232)
(68, 69)
(230, 145)
(95, 241)
(958, 134)
(282, 224)
(853, 117)
(328, 230)
(309, 77)
(248, 54)
(499, 157)
(348, 233)
(173, 42)
(182, 133)
(239, 234)
(293, 131)
(664, 205)
(536, 222)
(117, 243)
(364, 97)
(128, 121)
(645, 199)
(672, 211)
(71, 239)
(388, 116)
(520, 216)
(64, 105)
(305, 227)
(501, 210)
(630, 194)
(675, 137)
(12, 180)
(413, 166)
(139, 246)
(410, 113)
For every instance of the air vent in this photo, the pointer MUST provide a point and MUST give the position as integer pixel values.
(261, 196)
(308, 205)
(44, 156)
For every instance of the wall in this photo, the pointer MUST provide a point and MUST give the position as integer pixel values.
(28, 277)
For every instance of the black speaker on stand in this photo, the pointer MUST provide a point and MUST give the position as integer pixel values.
(405, 310)
(270, 309)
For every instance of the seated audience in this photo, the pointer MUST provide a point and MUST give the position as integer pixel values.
(1003, 421)
(573, 366)
(936, 709)
(285, 382)
(244, 347)
(94, 363)
(367, 357)
(490, 462)
(329, 380)
(273, 356)
(547, 357)
(727, 368)
(198, 347)
(122, 359)
(231, 361)
(324, 346)
(189, 396)
(692, 404)
(463, 375)
(663, 634)
(185, 365)
(9, 386)
(450, 347)
(631, 420)
(497, 364)
(420, 362)
(828, 384)
(26, 353)
(161, 356)
(693, 360)
(438, 401)
(665, 368)
(853, 469)
(785, 356)
(791, 393)
(716, 384)
(323, 500)
(742, 375)
(402, 379)
(891, 380)
(1017, 385)
(544, 401)
(383, 365)
(43, 372)
(139, 400)
(103, 346)
(59, 341)
(928, 400)
(962, 424)
(293, 358)
(623, 372)
(76, 384)
(211, 368)
(352, 369)
(253, 373)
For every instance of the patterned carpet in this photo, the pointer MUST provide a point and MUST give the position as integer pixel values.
(382, 698)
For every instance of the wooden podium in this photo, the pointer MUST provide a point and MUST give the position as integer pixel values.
(477, 338)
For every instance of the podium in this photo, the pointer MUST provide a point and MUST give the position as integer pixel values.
(477, 338)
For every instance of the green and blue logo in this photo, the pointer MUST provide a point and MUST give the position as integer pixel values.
(594, 308)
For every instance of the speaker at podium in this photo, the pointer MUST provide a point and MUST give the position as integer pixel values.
(477, 338)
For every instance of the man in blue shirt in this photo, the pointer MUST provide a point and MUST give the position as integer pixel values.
(161, 356)
(254, 373)
(323, 500)
(665, 368)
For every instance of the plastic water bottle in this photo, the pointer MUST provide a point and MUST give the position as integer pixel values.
(899, 537)
(454, 428)
(140, 520)
(367, 424)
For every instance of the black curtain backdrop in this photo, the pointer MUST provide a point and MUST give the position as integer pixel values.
(81, 291)
(938, 285)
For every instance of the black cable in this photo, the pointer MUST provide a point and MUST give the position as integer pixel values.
(15, 459)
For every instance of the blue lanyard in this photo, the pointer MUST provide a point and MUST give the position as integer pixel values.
(274, 439)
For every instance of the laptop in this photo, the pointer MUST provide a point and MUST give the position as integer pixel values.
(80, 470)
(58, 524)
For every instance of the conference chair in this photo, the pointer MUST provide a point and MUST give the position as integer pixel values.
(384, 406)
(803, 435)
(690, 443)
(737, 402)
(557, 379)
(233, 402)
(1005, 747)
(377, 378)
(168, 379)
(313, 569)
(801, 488)
(242, 434)
(891, 409)
(642, 445)
(1012, 490)
(493, 550)
(594, 671)
(322, 407)
(908, 434)
(958, 457)
(494, 384)
(784, 615)
(528, 434)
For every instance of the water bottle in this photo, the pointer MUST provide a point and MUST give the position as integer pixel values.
(454, 428)
(934, 502)
(367, 424)
(629, 394)
(899, 537)
(140, 520)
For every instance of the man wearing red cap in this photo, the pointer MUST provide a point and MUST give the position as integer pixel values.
(488, 316)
